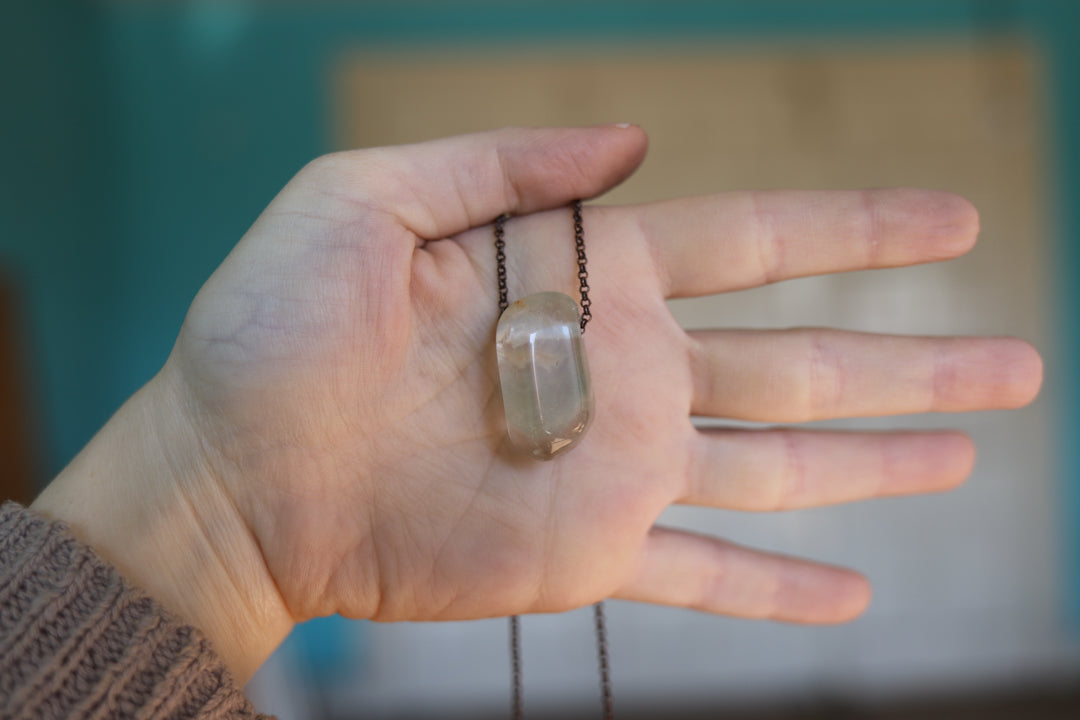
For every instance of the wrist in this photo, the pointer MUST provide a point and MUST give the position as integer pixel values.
(143, 494)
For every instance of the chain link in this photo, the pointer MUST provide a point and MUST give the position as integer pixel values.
(602, 660)
(500, 259)
(582, 262)
(583, 273)
(517, 700)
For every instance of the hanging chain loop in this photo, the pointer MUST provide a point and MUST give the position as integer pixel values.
(582, 262)
(500, 259)
(583, 273)
(517, 697)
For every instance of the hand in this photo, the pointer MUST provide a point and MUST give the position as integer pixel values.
(330, 420)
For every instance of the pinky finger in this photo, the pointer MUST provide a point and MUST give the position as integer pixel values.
(684, 569)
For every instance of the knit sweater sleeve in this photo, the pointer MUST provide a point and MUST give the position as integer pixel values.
(78, 641)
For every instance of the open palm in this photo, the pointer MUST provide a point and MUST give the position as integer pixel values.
(340, 368)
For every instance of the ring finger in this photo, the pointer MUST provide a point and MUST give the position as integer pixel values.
(768, 470)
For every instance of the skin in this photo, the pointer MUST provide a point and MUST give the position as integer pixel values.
(327, 437)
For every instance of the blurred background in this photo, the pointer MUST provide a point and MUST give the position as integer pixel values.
(139, 140)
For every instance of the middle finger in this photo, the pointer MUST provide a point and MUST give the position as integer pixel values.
(803, 375)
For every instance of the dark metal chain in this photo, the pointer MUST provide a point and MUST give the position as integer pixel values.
(517, 700)
(515, 668)
(500, 260)
(583, 274)
(582, 261)
(602, 660)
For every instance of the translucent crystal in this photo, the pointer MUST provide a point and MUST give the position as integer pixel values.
(544, 374)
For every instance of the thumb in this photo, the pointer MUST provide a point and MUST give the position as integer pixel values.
(443, 187)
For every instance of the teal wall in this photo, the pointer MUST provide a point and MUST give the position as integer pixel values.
(52, 214)
(139, 141)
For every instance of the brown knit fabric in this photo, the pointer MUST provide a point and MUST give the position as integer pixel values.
(77, 641)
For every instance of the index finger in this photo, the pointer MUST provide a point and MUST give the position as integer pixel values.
(731, 241)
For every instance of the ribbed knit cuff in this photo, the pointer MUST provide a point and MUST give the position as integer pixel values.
(78, 641)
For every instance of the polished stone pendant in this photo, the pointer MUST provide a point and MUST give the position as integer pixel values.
(544, 375)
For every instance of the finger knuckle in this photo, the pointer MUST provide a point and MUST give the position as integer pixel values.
(824, 373)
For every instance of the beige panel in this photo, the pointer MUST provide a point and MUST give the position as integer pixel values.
(724, 120)
(966, 583)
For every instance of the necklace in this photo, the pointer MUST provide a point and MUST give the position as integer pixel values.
(543, 371)
(544, 378)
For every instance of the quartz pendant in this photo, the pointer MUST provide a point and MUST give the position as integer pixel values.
(544, 374)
